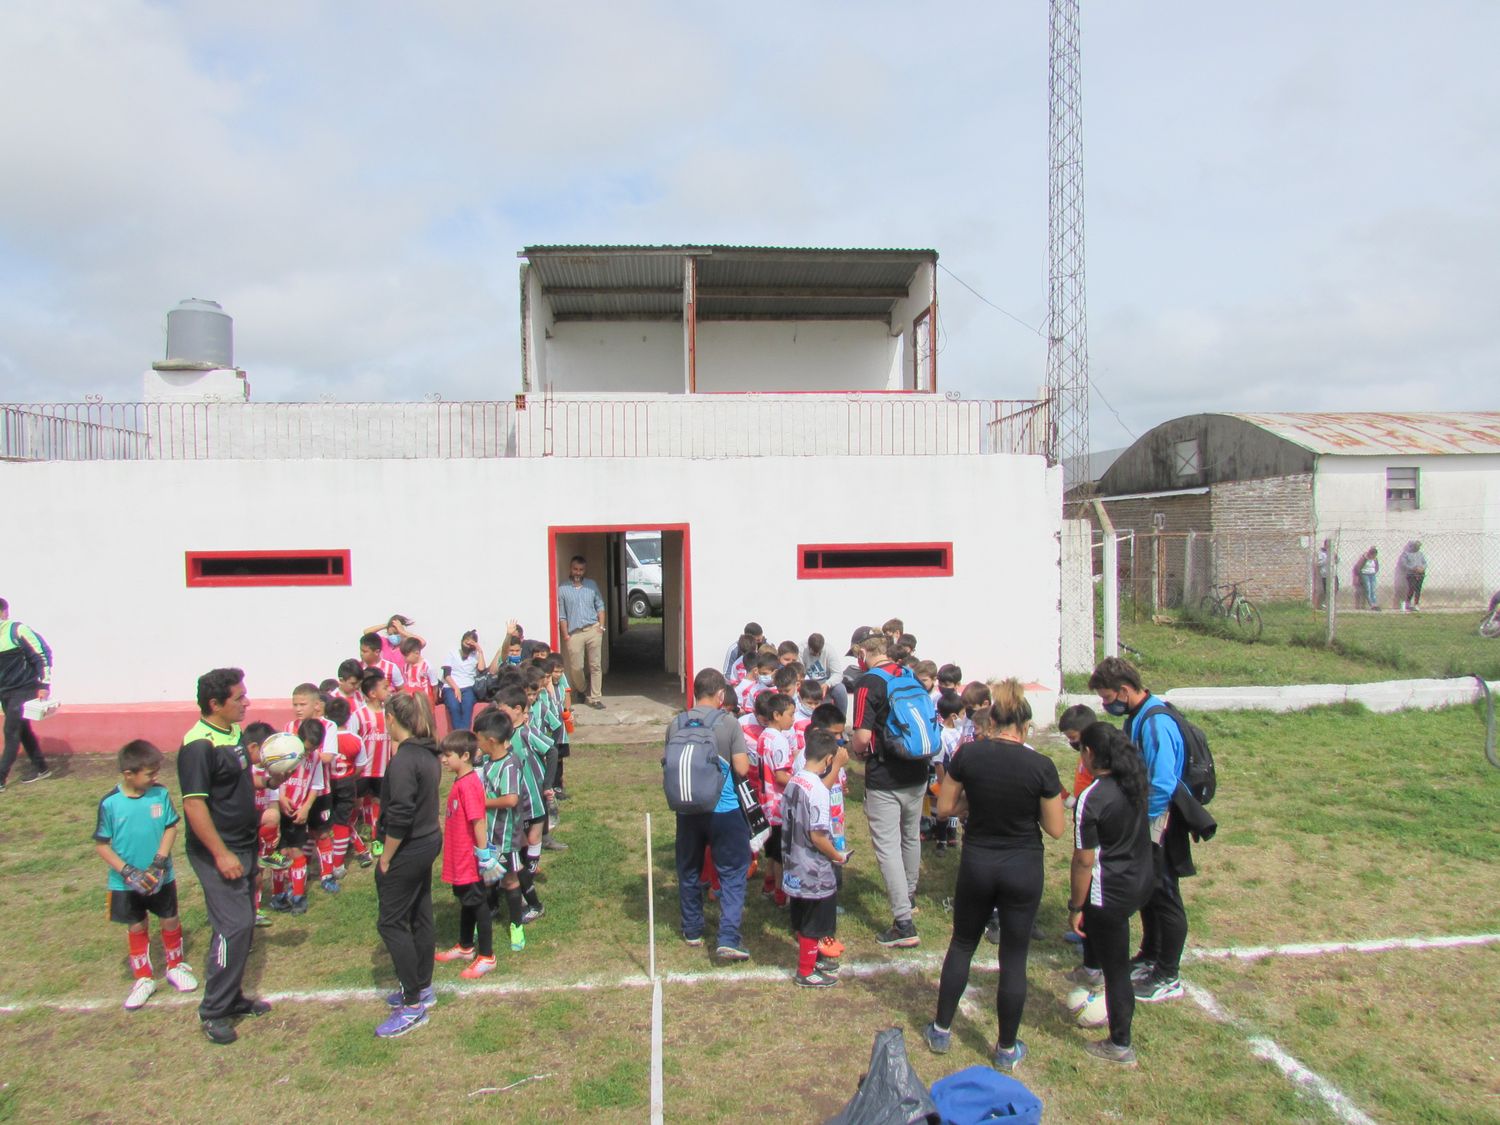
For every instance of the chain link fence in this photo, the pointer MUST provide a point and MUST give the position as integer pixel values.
(1165, 571)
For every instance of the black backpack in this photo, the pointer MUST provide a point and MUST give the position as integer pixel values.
(691, 778)
(1198, 772)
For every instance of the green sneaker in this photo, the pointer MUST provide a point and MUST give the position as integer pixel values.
(377, 848)
(262, 919)
(517, 938)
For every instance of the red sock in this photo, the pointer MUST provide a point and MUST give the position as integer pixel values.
(780, 897)
(373, 813)
(278, 882)
(340, 844)
(257, 895)
(325, 855)
(269, 834)
(171, 942)
(140, 953)
(807, 955)
(299, 875)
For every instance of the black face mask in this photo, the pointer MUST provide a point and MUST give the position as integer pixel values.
(1117, 708)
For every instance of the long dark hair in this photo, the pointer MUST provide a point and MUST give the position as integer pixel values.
(1115, 753)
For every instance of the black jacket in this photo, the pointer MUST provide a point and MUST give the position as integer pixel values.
(1188, 821)
(25, 659)
(409, 792)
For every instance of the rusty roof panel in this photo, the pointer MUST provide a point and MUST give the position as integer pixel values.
(1367, 435)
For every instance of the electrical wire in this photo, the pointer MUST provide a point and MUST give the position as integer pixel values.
(1093, 386)
(986, 300)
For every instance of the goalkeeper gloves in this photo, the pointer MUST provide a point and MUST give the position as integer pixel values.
(489, 865)
(141, 882)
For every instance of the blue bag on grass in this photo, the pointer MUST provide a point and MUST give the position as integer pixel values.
(981, 1093)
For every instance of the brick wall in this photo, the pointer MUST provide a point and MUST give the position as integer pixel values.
(1263, 535)
(1180, 514)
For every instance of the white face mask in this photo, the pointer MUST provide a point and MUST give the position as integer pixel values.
(765, 681)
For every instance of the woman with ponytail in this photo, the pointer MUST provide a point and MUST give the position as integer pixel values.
(1112, 876)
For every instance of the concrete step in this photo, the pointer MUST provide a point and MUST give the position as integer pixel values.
(624, 719)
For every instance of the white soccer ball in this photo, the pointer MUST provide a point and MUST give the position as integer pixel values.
(280, 754)
(1093, 1013)
(1077, 998)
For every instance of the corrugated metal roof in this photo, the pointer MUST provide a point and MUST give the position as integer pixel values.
(1475, 431)
(766, 280)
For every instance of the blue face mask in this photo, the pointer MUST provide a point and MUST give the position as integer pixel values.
(516, 659)
(1117, 708)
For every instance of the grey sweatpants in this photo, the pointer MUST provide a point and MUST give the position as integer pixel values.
(895, 817)
(231, 917)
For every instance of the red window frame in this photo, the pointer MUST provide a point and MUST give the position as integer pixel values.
(338, 571)
(811, 562)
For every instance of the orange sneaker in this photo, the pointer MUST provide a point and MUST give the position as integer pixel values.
(830, 947)
(480, 966)
(457, 953)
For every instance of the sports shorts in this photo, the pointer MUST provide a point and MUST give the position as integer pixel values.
(320, 816)
(368, 787)
(293, 835)
(815, 917)
(773, 844)
(130, 907)
(342, 801)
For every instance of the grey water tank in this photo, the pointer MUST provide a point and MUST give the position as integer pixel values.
(200, 334)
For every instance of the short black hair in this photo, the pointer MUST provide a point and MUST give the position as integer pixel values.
(371, 680)
(1077, 717)
(827, 715)
(258, 732)
(494, 723)
(308, 729)
(578, 558)
(460, 742)
(1114, 673)
(777, 703)
(138, 755)
(710, 681)
(950, 674)
(327, 687)
(786, 678)
(370, 640)
(754, 629)
(336, 710)
(513, 696)
(216, 685)
(350, 667)
(788, 646)
(950, 703)
(810, 690)
(766, 659)
(821, 745)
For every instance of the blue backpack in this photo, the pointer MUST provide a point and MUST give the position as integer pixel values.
(911, 728)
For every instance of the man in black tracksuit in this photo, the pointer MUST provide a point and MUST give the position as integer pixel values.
(25, 674)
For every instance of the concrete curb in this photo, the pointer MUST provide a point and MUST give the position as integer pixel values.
(1384, 697)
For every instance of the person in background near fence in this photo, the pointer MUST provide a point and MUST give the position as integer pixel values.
(1365, 572)
(580, 627)
(1164, 927)
(1009, 791)
(1413, 567)
(1327, 570)
(25, 674)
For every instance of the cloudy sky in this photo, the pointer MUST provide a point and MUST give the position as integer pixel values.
(1290, 205)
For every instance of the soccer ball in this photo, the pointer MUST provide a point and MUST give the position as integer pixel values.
(1077, 998)
(1093, 1013)
(280, 754)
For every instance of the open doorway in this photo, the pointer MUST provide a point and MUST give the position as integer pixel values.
(644, 573)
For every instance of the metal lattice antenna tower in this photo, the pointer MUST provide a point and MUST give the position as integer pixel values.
(1067, 322)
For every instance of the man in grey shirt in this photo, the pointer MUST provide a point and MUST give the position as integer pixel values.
(580, 626)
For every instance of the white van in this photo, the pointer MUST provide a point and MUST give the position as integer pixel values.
(643, 573)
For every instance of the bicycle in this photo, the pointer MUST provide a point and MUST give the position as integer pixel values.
(1235, 606)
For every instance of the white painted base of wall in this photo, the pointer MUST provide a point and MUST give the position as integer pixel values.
(1384, 697)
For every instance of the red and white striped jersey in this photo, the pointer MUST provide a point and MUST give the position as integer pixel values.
(355, 700)
(326, 755)
(295, 786)
(393, 673)
(351, 748)
(419, 679)
(369, 724)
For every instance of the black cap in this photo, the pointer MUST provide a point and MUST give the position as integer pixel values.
(863, 632)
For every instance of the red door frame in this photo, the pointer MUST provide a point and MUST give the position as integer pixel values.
(554, 580)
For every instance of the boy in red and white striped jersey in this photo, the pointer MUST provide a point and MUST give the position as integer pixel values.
(420, 678)
(343, 790)
(296, 799)
(368, 722)
(307, 703)
(369, 653)
(350, 672)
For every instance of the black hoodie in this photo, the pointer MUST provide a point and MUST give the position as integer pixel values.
(409, 792)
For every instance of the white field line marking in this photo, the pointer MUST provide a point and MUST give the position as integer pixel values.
(658, 1104)
(906, 966)
(1268, 1050)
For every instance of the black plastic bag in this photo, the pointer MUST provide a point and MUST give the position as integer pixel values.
(890, 1093)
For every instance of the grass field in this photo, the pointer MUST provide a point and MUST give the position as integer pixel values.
(1291, 650)
(1336, 825)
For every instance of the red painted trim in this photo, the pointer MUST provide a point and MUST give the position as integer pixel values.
(895, 571)
(898, 391)
(102, 728)
(195, 576)
(554, 580)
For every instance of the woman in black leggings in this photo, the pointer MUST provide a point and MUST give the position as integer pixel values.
(1112, 874)
(1007, 789)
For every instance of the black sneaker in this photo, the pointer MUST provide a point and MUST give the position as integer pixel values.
(245, 1006)
(40, 775)
(1141, 967)
(828, 966)
(732, 953)
(938, 1040)
(1156, 988)
(815, 979)
(221, 1032)
(901, 935)
(560, 793)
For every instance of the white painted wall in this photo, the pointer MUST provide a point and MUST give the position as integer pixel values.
(921, 295)
(536, 328)
(799, 355)
(103, 573)
(618, 356)
(1458, 521)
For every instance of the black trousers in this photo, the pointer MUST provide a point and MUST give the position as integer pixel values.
(1164, 925)
(405, 920)
(1107, 947)
(989, 879)
(18, 732)
(474, 917)
(231, 918)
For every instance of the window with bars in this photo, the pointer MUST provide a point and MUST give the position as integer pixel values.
(875, 560)
(268, 568)
(1402, 490)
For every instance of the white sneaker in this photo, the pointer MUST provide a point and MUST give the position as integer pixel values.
(140, 992)
(180, 976)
